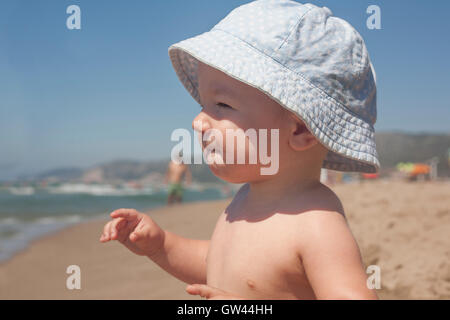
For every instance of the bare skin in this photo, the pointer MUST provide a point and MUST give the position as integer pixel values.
(283, 236)
(175, 174)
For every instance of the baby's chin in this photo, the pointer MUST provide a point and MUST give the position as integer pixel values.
(235, 173)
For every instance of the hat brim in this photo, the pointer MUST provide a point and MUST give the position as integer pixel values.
(349, 139)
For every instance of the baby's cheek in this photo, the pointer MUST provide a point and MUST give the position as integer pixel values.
(239, 147)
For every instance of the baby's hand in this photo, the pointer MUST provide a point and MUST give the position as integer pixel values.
(210, 293)
(135, 230)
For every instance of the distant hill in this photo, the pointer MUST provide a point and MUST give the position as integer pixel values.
(122, 170)
(133, 170)
(393, 147)
(60, 174)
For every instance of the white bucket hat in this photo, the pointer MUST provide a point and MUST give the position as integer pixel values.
(310, 62)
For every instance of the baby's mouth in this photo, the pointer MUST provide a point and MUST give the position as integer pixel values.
(212, 150)
(213, 155)
(210, 144)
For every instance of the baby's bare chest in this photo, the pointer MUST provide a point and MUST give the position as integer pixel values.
(257, 259)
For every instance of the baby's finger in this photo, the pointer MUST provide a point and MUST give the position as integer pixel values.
(116, 227)
(139, 232)
(105, 235)
(134, 237)
(129, 214)
(110, 230)
(202, 290)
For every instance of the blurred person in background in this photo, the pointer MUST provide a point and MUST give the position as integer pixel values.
(176, 171)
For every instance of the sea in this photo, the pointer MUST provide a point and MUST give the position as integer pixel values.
(27, 213)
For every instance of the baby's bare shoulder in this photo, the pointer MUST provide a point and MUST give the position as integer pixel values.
(319, 211)
(322, 198)
(316, 204)
(323, 223)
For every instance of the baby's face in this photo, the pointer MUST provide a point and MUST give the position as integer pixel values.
(230, 104)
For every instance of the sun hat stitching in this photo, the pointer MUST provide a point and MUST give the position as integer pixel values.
(293, 28)
(316, 128)
(351, 165)
(337, 123)
(184, 71)
(361, 64)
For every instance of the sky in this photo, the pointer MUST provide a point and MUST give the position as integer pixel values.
(77, 98)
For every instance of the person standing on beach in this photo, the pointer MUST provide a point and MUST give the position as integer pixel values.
(176, 171)
(296, 69)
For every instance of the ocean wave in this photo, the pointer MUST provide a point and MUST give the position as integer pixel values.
(21, 191)
(9, 221)
(98, 190)
(65, 219)
(16, 234)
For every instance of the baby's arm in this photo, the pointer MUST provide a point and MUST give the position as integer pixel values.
(331, 258)
(181, 257)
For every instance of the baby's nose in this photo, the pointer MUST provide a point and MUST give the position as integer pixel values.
(201, 123)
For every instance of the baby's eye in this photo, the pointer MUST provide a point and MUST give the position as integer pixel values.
(224, 105)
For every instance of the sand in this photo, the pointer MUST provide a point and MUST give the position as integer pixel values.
(402, 227)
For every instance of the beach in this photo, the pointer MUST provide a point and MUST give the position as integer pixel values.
(401, 227)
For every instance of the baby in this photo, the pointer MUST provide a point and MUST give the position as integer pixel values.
(273, 64)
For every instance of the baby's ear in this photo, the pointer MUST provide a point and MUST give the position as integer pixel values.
(300, 137)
